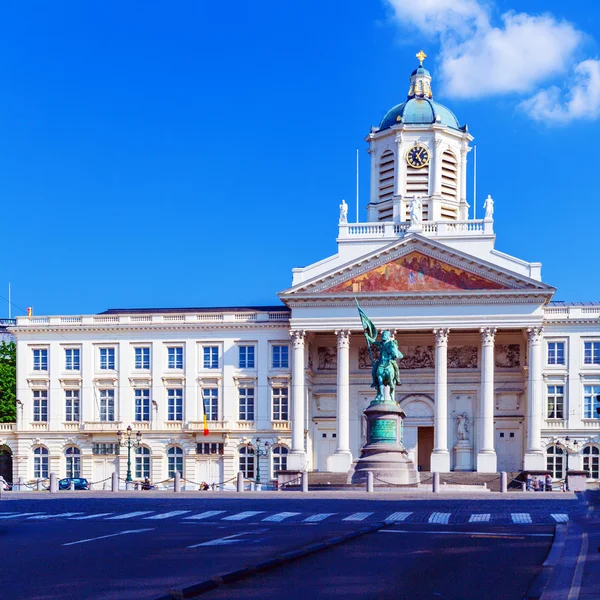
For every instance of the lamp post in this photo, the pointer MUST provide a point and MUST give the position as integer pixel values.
(569, 448)
(260, 449)
(129, 441)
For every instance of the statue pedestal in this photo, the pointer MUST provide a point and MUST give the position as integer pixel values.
(463, 456)
(384, 453)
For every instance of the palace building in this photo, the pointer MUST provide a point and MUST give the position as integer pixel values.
(496, 376)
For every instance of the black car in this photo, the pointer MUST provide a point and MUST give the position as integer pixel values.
(78, 483)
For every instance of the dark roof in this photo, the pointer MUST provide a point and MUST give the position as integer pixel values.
(203, 309)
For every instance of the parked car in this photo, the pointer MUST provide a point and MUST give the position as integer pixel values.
(78, 483)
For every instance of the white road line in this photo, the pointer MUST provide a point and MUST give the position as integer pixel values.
(243, 515)
(102, 537)
(397, 517)
(484, 533)
(69, 514)
(359, 516)
(318, 517)
(281, 516)
(578, 575)
(480, 518)
(128, 515)
(560, 517)
(16, 515)
(522, 518)
(167, 515)
(225, 541)
(97, 515)
(205, 515)
(440, 518)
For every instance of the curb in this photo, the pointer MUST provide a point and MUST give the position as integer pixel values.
(211, 583)
(541, 581)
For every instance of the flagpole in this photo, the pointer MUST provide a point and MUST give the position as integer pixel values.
(357, 185)
(9, 299)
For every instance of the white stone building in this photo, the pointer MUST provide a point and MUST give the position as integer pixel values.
(483, 344)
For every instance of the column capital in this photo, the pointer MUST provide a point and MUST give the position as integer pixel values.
(343, 337)
(535, 334)
(298, 337)
(441, 336)
(487, 335)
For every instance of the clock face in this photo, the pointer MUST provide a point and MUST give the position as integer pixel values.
(418, 157)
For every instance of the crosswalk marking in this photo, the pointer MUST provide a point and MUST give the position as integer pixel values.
(397, 517)
(281, 516)
(480, 518)
(167, 515)
(440, 518)
(318, 517)
(359, 516)
(205, 515)
(137, 513)
(243, 515)
(16, 515)
(560, 517)
(67, 514)
(96, 516)
(521, 518)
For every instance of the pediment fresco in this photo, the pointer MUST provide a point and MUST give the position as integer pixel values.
(414, 272)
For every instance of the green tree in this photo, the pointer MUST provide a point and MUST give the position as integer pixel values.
(8, 382)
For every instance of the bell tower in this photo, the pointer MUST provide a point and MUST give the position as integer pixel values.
(419, 149)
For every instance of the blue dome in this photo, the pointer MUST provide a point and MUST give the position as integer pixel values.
(419, 111)
(421, 71)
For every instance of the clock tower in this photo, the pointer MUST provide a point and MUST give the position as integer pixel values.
(419, 149)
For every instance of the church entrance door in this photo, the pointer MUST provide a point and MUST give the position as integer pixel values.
(424, 448)
(508, 449)
(325, 445)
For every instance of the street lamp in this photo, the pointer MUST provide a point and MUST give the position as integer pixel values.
(570, 448)
(260, 449)
(129, 442)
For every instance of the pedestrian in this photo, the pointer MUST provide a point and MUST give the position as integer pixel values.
(529, 482)
(535, 485)
(548, 483)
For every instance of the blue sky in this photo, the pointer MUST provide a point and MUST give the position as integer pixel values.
(192, 153)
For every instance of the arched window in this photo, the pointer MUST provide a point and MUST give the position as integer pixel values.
(73, 455)
(175, 457)
(142, 462)
(591, 461)
(40, 462)
(279, 454)
(555, 461)
(386, 185)
(246, 454)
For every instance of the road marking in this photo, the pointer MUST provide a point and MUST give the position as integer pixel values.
(560, 517)
(471, 533)
(398, 517)
(173, 513)
(281, 516)
(15, 515)
(129, 515)
(242, 515)
(578, 575)
(522, 518)
(205, 515)
(480, 518)
(69, 514)
(440, 518)
(225, 541)
(498, 536)
(98, 515)
(103, 537)
(318, 517)
(359, 516)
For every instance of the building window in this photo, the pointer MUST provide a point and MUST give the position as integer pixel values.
(142, 405)
(210, 357)
(554, 461)
(279, 454)
(591, 461)
(247, 461)
(105, 449)
(175, 458)
(591, 353)
(107, 359)
(280, 404)
(556, 401)
(210, 397)
(107, 405)
(175, 404)
(40, 463)
(40, 405)
(142, 358)
(175, 357)
(73, 462)
(246, 357)
(246, 404)
(280, 357)
(591, 401)
(209, 448)
(40, 359)
(556, 353)
(72, 359)
(72, 405)
(142, 462)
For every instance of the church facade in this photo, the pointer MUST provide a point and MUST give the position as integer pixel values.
(495, 375)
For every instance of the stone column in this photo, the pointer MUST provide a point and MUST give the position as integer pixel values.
(341, 461)
(440, 457)
(297, 455)
(534, 457)
(486, 457)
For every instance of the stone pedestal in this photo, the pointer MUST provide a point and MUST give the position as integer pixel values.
(384, 453)
(463, 456)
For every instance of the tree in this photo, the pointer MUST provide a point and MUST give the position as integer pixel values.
(8, 382)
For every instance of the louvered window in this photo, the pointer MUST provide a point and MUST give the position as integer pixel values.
(386, 176)
(449, 176)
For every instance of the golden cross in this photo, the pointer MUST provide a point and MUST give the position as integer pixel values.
(421, 56)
